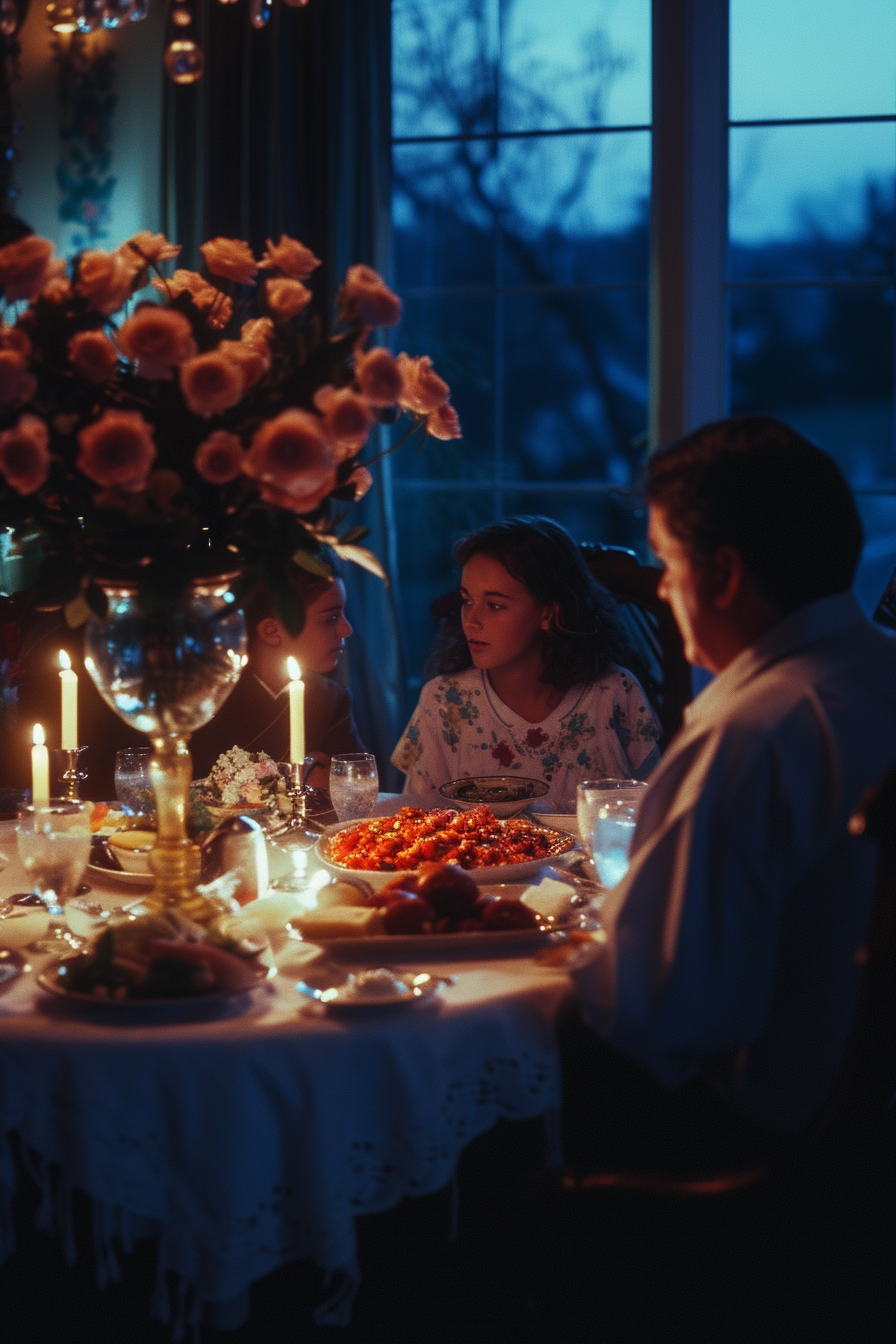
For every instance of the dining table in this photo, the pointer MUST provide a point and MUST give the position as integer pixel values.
(252, 1131)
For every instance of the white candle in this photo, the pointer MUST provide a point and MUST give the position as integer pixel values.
(40, 769)
(69, 681)
(296, 711)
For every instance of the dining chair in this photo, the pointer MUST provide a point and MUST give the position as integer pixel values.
(863, 1099)
(657, 653)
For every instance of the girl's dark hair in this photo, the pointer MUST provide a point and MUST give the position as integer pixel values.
(585, 636)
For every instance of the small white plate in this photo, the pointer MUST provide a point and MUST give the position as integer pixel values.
(410, 988)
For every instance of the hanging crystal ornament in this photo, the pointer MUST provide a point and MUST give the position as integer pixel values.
(61, 17)
(181, 17)
(117, 12)
(139, 11)
(260, 12)
(184, 62)
(89, 15)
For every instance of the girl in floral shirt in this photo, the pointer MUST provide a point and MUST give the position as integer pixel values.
(534, 688)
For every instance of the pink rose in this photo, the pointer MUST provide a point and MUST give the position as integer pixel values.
(211, 383)
(369, 298)
(258, 332)
(93, 355)
(156, 339)
(292, 258)
(117, 450)
(252, 361)
(105, 279)
(362, 480)
(378, 376)
(347, 419)
(24, 267)
(230, 258)
(292, 459)
(219, 458)
(17, 383)
(25, 454)
(443, 423)
(424, 390)
(285, 298)
(210, 301)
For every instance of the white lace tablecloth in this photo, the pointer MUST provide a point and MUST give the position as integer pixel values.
(254, 1139)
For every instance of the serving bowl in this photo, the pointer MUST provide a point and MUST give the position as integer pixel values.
(132, 848)
(506, 795)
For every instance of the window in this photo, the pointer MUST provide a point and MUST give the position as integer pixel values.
(521, 163)
(812, 237)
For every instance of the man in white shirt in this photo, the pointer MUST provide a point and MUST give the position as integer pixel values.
(732, 940)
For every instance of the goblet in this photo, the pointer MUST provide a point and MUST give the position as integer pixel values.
(354, 785)
(53, 841)
(607, 810)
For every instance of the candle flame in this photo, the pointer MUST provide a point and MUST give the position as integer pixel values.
(37, 736)
(64, 661)
(292, 667)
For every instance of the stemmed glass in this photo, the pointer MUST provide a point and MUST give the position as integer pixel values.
(354, 785)
(133, 788)
(53, 841)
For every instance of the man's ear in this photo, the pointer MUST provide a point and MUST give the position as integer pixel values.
(269, 632)
(728, 573)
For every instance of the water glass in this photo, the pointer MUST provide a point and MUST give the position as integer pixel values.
(53, 841)
(354, 785)
(607, 810)
(132, 784)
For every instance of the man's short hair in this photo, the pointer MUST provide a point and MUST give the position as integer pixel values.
(754, 483)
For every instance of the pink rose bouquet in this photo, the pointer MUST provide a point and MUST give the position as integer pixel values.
(216, 426)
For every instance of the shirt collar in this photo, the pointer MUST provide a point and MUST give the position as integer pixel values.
(805, 626)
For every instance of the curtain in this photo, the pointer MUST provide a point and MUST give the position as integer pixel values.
(288, 131)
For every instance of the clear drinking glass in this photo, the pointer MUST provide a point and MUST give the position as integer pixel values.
(607, 810)
(54, 845)
(132, 784)
(354, 785)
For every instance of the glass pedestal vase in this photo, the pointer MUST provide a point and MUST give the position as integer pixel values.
(167, 672)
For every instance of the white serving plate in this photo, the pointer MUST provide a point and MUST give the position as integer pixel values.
(180, 1009)
(503, 872)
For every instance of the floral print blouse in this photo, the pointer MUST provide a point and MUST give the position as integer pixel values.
(460, 728)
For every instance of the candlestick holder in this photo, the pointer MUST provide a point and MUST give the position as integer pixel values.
(70, 771)
(298, 790)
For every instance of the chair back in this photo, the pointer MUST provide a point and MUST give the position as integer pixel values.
(649, 628)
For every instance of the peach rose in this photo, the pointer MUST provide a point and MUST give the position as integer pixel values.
(367, 295)
(442, 423)
(156, 339)
(15, 338)
(93, 356)
(219, 458)
(105, 279)
(230, 258)
(378, 376)
(285, 298)
(208, 299)
(25, 454)
(151, 247)
(424, 390)
(289, 256)
(259, 332)
(252, 362)
(292, 459)
(211, 383)
(362, 480)
(117, 450)
(17, 383)
(347, 419)
(24, 267)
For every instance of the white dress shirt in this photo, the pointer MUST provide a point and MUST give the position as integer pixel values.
(733, 937)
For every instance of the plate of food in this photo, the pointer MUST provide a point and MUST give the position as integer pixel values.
(377, 849)
(437, 910)
(374, 989)
(159, 964)
(506, 795)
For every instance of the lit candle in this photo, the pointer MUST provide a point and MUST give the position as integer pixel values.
(296, 711)
(40, 769)
(69, 681)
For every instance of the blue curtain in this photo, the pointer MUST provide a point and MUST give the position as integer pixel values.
(288, 131)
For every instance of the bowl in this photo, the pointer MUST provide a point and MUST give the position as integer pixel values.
(562, 847)
(131, 848)
(504, 794)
